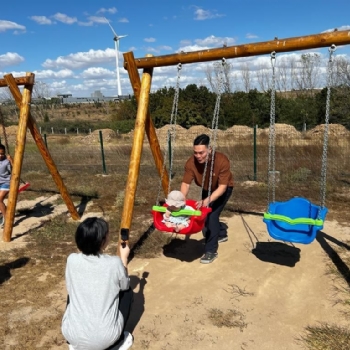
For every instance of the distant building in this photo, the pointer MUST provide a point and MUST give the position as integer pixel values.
(97, 94)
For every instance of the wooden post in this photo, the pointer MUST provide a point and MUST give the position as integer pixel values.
(136, 152)
(43, 150)
(150, 129)
(17, 161)
(254, 49)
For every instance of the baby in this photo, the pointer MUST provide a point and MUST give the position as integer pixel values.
(176, 201)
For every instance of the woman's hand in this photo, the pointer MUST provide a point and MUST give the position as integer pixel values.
(124, 253)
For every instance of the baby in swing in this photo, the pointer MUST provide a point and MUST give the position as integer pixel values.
(176, 201)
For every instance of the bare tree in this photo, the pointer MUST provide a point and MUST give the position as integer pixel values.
(219, 73)
(283, 75)
(246, 75)
(307, 72)
(341, 71)
(40, 96)
(263, 76)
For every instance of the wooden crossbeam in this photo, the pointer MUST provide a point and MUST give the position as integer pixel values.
(254, 49)
(28, 80)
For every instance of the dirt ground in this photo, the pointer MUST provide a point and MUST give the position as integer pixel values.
(259, 294)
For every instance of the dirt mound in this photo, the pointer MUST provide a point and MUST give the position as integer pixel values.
(94, 137)
(333, 130)
(199, 129)
(285, 130)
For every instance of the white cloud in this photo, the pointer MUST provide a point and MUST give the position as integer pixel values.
(96, 73)
(50, 74)
(10, 59)
(149, 40)
(8, 25)
(61, 17)
(110, 10)
(81, 59)
(41, 19)
(345, 27)
(97, 19)
(213, 41)
(251, 36)
(201, 15)
(123, 20)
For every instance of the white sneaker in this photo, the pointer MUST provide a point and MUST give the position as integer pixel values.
(128, 341)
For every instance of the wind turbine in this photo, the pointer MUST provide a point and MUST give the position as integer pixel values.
(116, 46)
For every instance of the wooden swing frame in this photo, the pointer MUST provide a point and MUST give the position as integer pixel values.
(26, 120)
(142, 87)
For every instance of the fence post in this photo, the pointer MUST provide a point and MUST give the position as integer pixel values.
(254, 151)
(65, 131)
(102, 153)
(77, 131)
(51, 130)
(45, 141)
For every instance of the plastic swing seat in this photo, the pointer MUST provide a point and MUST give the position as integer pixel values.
(196, 223)
(296, 220)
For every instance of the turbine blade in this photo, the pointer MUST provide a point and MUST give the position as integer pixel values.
(115, 34)
(121, 36)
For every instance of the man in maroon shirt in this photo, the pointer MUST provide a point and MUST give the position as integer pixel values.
(216, 198)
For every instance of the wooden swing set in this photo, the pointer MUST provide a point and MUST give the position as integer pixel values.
(26, 120)
(142, 86)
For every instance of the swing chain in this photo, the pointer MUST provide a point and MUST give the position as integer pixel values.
(271, 173)
(171, 135)
(214, 128)
(326, 127)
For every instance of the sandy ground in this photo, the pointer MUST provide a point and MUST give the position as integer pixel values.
(273, 291)
(264, 292)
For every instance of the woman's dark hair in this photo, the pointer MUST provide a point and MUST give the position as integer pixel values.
(90, 235)
(202, 139)
(2, 147)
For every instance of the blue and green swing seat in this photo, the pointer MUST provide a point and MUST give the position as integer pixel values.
(297, 220)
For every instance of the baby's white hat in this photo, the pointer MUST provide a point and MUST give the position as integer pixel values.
(175, 199)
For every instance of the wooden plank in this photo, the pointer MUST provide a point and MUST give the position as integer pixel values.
(136, 152)
(43, 150)
(27, 80)
(254, 49)
(150, 129)
(17, 160)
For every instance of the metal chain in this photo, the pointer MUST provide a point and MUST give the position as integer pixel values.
(2, 121)
(271, 173)
(214, 129)
(326, 127)
(171, 135)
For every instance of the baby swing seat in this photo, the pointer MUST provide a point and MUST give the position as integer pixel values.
(197, 219)
(296, 220)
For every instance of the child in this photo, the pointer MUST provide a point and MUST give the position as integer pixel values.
(176, 201)
(99, 295)
(5, 177)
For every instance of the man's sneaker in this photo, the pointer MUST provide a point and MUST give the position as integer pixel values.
(222, 239)
(128, 341)
(208, 258)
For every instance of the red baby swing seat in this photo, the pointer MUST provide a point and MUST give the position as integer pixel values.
(196, 223)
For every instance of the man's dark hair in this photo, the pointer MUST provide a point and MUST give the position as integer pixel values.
(90, 235)
(202, 139)
(2, 147)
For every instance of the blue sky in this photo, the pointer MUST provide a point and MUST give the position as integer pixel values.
(69, 46)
